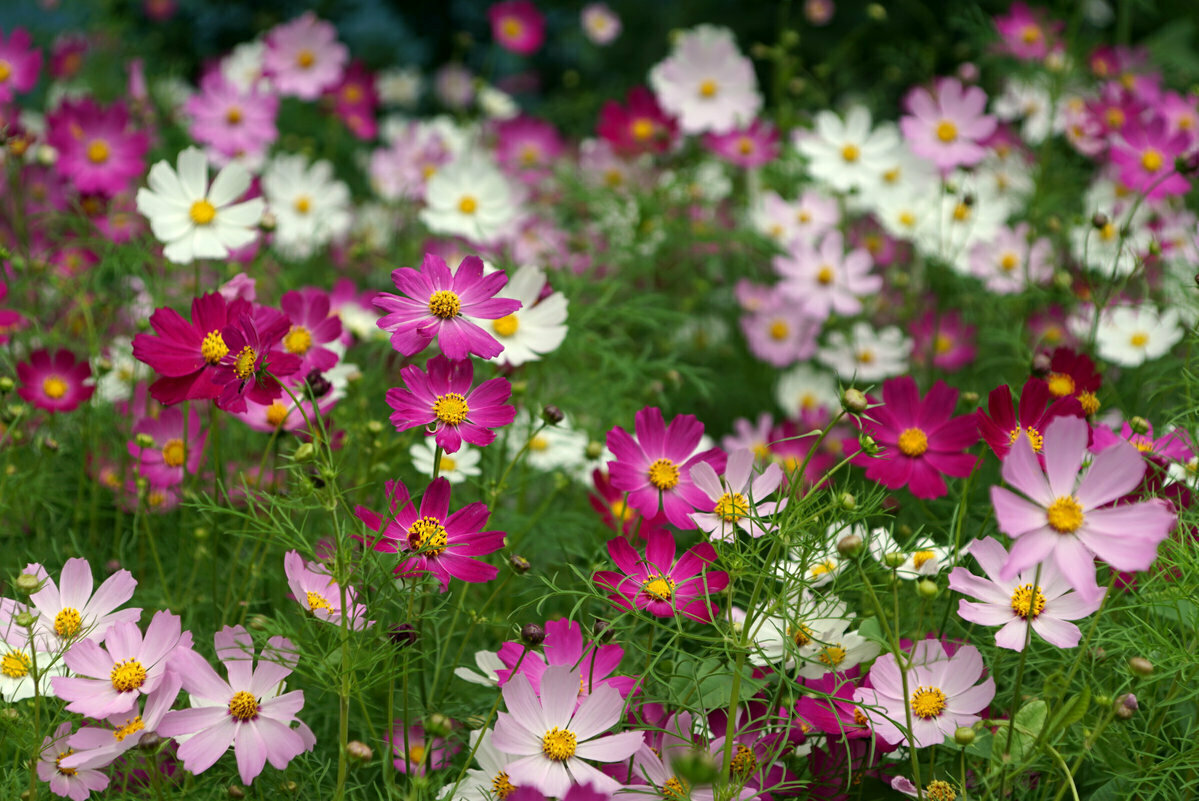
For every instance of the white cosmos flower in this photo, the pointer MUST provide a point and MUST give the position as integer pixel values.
(470, 198)
(551, 447)
(455, 467)
(1132, 335)
(311, 208)
(866, 354)
(848, 155)
(487, 781)
(537, 327)
(804, 388)
(192, 219)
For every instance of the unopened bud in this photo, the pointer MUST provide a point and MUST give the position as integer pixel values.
(1139, 425)
(850, 546)
(8, 713)
(438, 725)
(696, 767)
(789, 38)
(24, 619)
(267, 222)
(759, 50)
(290, 786)
(963, 735)
(854, 401)
(402, 634)
(1041, 365)
(359, 751)
(895, 559)
(868, 445)
(50, 444)
(27, 583)
(595, 449)
(318, 385)
(927, 588)
(305, 453)
(603, 631)
(519, 564)
(520, 387)
(236, 792)
(847, 501)
(144, 441)
(970, 398)
(552, 415)
(6, 385)
(876, 12)
(259, 622)
(532, 634)
(1140, 666)
(1099, 221)
(1125, 706)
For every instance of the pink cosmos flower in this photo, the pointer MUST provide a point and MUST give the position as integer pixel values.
(821, 279)
(944, 340)
(922, 439)
(284, 414)
(640, 126)
(246, 712)
(1067, 512)
(527, 148)
(55, 381)
(100, 743)
(655, 468)
(518, 26)
(739, 500)
(67, 55)
(10, 319)
(73, 611)
(600, 23)
(945, 694)
(235, 122)
(552, 734)
(1009, 263)
(751, 146)
(1003, 426)
(416, 752)
(443, 400)
(780, 334)
(303, 57)
(807, 218)
(563, 645)
(706, 82)
(1145, 154)
(1025, 33)
(401, 170)
(435, 304)
(355, 101)
(947, 128)
(98, 151)
(609, 504)
(312, 328)
(76, 784)
(660, 584)
(433, 540)
(108, 680)
(1043, 602)
(316, 591)
(161, 463)
(254, 347)
(20, 63)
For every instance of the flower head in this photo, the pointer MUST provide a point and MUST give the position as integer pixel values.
(254, 344)
(442, 400)
(518, 26)
(98, 151)
(738, 501)
(72, 611)
(234, 121)
(948, 126)
(600, 23)
(639, 126)
(661, 584)
(72, 783)
(56, 381)
(1003, 426)
(317, 592)
(20, 63)
(706, 83)
(303, 57)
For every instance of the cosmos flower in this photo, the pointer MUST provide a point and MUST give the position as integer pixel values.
(56, 382)
(518, 26)
(537, 326)
(234, 121)
(848, 154)
(311, 208)
(416, 751)
(658, 582)
(948, 126)
(255, 360)
(600, 23)
(564, 645)
(820, 279)
(98, 150)
(313, 329)
(750, 145)
(639, 126)
(706, 83)
(739, 500)
(1003, 426)
(470, 198)
(526, 148)
(162, 461)
(76, 784)
(303, 57)
(20, 63)
(1145, 154)
(317, 592)
(443, 401)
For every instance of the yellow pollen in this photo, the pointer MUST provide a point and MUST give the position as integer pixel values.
(664, 474)
(658, 587)
(277, 414)
(913, 442)
(445, 304)
(448, 464)
(1089, 401)
(833, 655)
(539, 443)
(1108, 232)
(506, 326)
(1009, 262)
(243, 367)
(907, 219)
(317, 601)
(1034, 437)
(501, 786)
(558, 744)
(129, 728)
(468, 205)
(298, 340)
(804, 216)
(128, 675)
(451, 408)
(864, 356)
(202, 212)
(172, 453)
(233, 116)
(1151, 160)
(428, 171)
(731, 507)
(213, 348)
(613, 178)
(943, 343)
(5, 70)
(859, 717)
(1060, 384)
(920, 558)
(621, 511)
(822, 568)
(1142, 444)
(1115, 118)
(352, 93)
(58, 763)
(961, 212)
(155, 499)
(243, 706)
(68, 622)
(54, 387)
(641, 129)
(1030, 34)
(801, 636)
(851, 153)
(675, 788)
(15, 665)
(928, 702)
(745, 146)
(97, 151)
(939, 791)
(1065, 515)
(512, 27)
(305, 59)
(744, 761)
(416, 754)
(825, 276)
(946, 131)
(429, 535)
(892, 175)
(1139, 339)
(1027, 601)
(302, 204)
(779, 330)
(708, 88)
(530, 155)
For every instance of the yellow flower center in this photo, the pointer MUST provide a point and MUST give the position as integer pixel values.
(58, 763)
(801, 636)
(664, 474)
(940, 790)
(416, 754)
(243, 366)
(1065, 515)
(501, 786)
(779, 330)
(961, 212)
(172, 453)
(832, 655)
(1027, 601)
(15, 665)
(428, 534)
(825, 276)
(947, 131)
(921, 557)
(277, 413)
(298, 340)
(243, 706)
(1115, 117)
(352, 93)
(128, 675)
(708, 88)
(731, 507)
(1139, 339)
(558, 744)
(202, 212)
(129, 728)
(5, 70)
(822, 568)
(448, 464)
(302, 204)
(213, 348)
(851, 153)
(512, 27)
(505, 326)
(451, 408)
(1034, 437)
(864, 356)
(97, 151)
(913, 442)
(233, 116)
(745, 146)
(928, 702)
(1009, 262)
(658, 586)
(539, 443)
(445, 304)
(675, 788)
(1060, 384)
(744, 761)
(316, 601)
(943, 343)
(1089, 401)
(305, 59)
(641, 129)
(1151, 160)
(530, 155)
(54, 387)
(1108, 232)
(859, 717)
(67, 623)
(1030, 34)
(468, 205)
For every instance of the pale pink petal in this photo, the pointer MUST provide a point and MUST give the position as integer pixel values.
(1064, 446)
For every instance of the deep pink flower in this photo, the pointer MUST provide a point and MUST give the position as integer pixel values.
(1025, 33)
(98, 151)
(1067, 511)
(943, 339)
(20, 63)
(527, 148)
(1174, 445)
(563, 645)
(1145, 154)
(66, 55)
(518, 26)
(443, 400)
(655, 468)
(1004, 426)
(640, 126)
(312, 328)
(750, 146)
(10, 319)
(609, 504)
(836, 714)
(56, 381)
(661, 584)
(355, 101)
(433, 540)
(922, 438)
(162, 462)
(232, 121)
(303, 57)
(255, 359)
(947, 128)
(436, 304)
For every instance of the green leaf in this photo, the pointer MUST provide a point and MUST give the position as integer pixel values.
(1031, 718)
(1071, 712)
(872, 630)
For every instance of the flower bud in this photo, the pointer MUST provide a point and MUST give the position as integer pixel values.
(438, 725)
(27, 583)
(24, 620)
(847, 501)
(520, 387)
(10, 714)
(402, 634)
(532, 634)
(1140, 666)
(267, 222)
(6, 385)
(970, 398)
(144, 441)
(927, 588)
(359, 751)
(895, 559)
(850, 546)
(519, 564)
(603, 632)
(868, 445)
(1139, 425)
(259, 622)
(963, 735)
(1099, 221)
(236, 792)
(595, 449)
(290, 787)
(374, 426)
(876, 12)
(854, 401)
(318, 385)
(1041, 365)
(1125, 706)
(789, 38)
(552, 415)
(306, 452)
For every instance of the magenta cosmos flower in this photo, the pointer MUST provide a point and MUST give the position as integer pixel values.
(316, 592)
(54, 381)
(945, 694)
(109, 680)
(527, 148)
(73, 611)
(551, 735)
(233, 121)
(823, 279)
(922, 439)
(1067, 512)
(518, 26)
(436, 304)
(1043, 602)
(655, 467)
(161, 462)
(97, 149)
(1037, 408)
(416, 752)
(749, 146)
(948, 127)
(312, 329)
(594, 663)
(246, 712)
(1025, 33)
(660, 584)
(20, 64)
(443, 400)
(255, 360)
(639, 126)
(739, 500)
(303, 57)
(433, 540)
(944, 340)
(1145, 154)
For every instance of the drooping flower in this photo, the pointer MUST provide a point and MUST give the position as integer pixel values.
(317, 592)
(76, 784)
(303, 57)
(20, 63)
(1067, 513)
(518, 26)
(947, 128)
(739, 501)
(706, 82)
(661, 584)
(1003, 426)
(98, 151)
(443, 401)
(56, 381)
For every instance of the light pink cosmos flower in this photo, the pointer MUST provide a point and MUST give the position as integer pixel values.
(74, 611)
(109, 680)
(706, 82)
(945, 694)
(808, 218)
(947, 128)
(600, 24)
(1045, 603)
(316, 591)
(75, 784)
(401, 170)
(303, 57)
(416, 751)
(1009, 263)
(1067, 513)
(99, 743)
(442, 400)
(235, 122)
(739, 500)
(553, 734)
(20, 64)
(822, 279)
(247, 712)
(162, 461)
(780, 334)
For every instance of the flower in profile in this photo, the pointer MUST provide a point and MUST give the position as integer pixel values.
(639, 126)
(443, 401)
(1038, 597)
(470, 198)
(445, 305)
(73, 783)
(661, 584)
(249, 712)
(923, 441)
(537, 326)
(552, 734)
(706, 83)
(56, 382)
(254, 348)
(752, 145)
(20, 63)
(945, 693)
(1003, 426)
(317, 592)
(738, 501)
(97, 149)
(433, 540)
(947, 127)
(518, 26)
(1145, 152)
(72, 611)
(416, 751)
(1066, 512)
(600, 24)
(303, 57)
